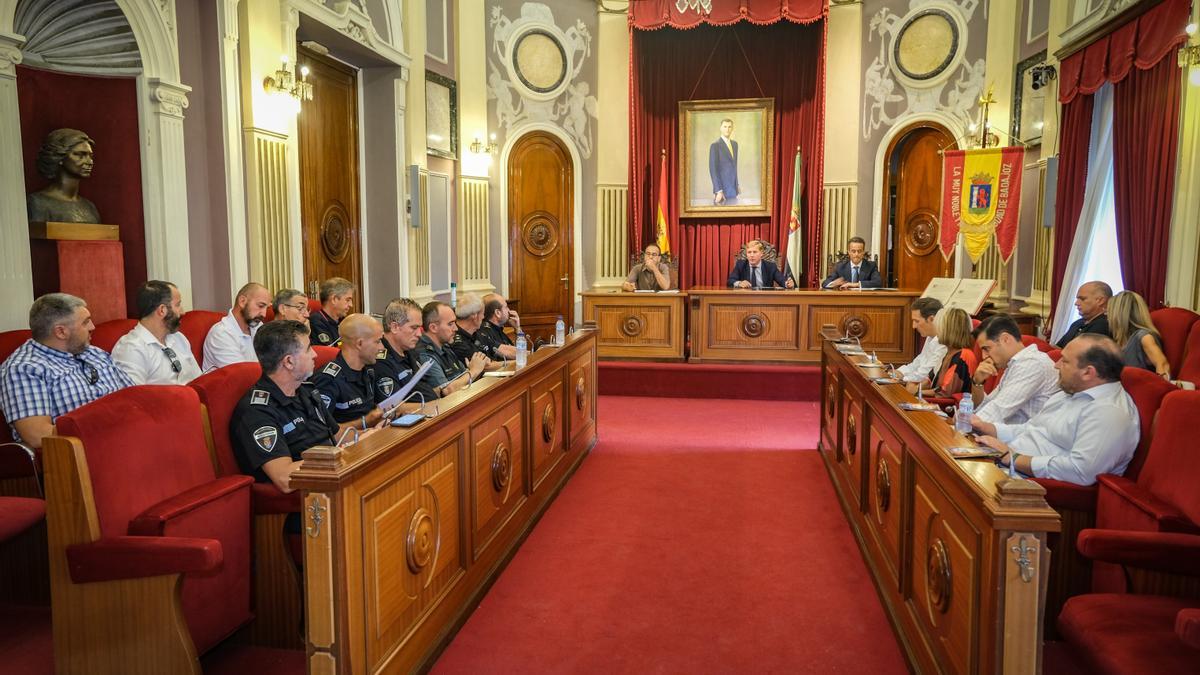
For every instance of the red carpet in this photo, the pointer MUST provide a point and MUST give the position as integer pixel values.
(710, 380)
(722, 550)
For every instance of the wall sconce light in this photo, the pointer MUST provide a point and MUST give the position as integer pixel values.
(284, 81)
(479, 148)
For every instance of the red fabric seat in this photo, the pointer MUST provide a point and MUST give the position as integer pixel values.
(10, 340)
(195, 325)
(1055, 355)
(15, 459)
(1042, 345)
(1174, 324)
(1189, 369)
(106, 334)
(18, 514)
(324, 355)
(160, 507)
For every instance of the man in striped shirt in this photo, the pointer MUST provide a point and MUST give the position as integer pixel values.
(1029, 377)
(929, 360)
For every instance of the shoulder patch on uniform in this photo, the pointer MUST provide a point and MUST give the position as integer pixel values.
(327, 400)
(386, 385)
(260, 397)
(323, 338)
(382, 355)
(265, 437)
(331, 369)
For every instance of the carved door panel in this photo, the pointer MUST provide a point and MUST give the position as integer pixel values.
(915, 173)
(329, 206)
(540, 213)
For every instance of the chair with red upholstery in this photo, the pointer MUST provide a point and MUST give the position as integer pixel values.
(1174, 324)
(277, 591)
(106, 334)
(18, 514)
(1189, 369)
(149, 548)
(1055, 355)
(314, 306)
(1122, 633)
(11, 339)
(195, 325)
(1162, 496)
(324, 355)
(1042, 345)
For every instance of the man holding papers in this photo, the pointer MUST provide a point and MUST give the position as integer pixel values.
(652, 274)
(754, 272)
(347, 383)
(853, 271)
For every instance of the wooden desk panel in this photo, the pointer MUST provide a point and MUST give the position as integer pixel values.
(957, 548)
(637, 325)
(785, 326)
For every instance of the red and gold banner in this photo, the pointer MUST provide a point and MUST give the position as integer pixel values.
(981, 196)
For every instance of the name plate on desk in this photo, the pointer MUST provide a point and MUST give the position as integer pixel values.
(73, 231)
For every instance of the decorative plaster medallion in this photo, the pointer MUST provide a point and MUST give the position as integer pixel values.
(539, 61)
(335, 232)
(926, 44)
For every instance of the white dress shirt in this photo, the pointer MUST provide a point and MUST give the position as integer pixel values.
(226, 344)
(1028, 381)
(1077, 437)
(144, 360)
(929, 360)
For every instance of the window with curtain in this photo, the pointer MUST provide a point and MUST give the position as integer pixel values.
(1101, 262)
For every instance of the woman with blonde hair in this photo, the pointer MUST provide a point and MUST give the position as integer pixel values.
(954, 332)
(1134, 331)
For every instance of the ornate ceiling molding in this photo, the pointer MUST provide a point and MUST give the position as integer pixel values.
(350, 18)
(82, 36)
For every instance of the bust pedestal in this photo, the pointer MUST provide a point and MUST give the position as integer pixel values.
(82, 259)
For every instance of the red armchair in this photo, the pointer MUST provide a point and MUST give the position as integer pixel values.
(1119, 633)
(149, 549)
(277, 592)
(106, 334)
(1173, 324)
(1189, 370)
(195, 325)
(1042, 345)
(324, 355)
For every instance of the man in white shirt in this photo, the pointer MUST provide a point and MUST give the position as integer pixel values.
(1089, 428)
(932, 352)
(1028, 381)
(155, 352)
(231, 340)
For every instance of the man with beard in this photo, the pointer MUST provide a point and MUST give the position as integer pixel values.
(231, 340)
(55, 371)
(347, 383)
(155, 352)
(397, 360)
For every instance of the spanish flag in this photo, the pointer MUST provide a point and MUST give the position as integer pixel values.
(660, 218)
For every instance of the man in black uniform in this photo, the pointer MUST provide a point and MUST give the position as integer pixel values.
(281, 415)
(1091, 300)
(397, 361)
(471, 338)
(448, 374)
(337, 299)
(347, 383)
(496, 315)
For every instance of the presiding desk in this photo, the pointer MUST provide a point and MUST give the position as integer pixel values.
(405, 530)
(957, 549)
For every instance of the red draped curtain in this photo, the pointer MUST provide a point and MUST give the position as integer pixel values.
(1073, 141)
(743, 49)
(1138, 59)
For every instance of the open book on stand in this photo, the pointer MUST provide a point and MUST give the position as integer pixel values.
(965, 294)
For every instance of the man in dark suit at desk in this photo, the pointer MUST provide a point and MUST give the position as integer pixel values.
(853, 271)
(754, 272)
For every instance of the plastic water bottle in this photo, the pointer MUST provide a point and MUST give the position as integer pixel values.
(522, 353)
(560, 332)
(454, 295)
(966, 408)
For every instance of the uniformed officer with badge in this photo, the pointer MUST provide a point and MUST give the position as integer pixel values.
(280, 416)
(448, 374)
(497, 315)
(397, 361)
(337, 300)
(347, 383)
(471, 338)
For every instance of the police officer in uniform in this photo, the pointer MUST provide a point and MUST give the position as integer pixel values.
(496, 315)
(347, 383)
(337, 299)
(448, 374)
(471, 337)
(397, 361)
(280, 416)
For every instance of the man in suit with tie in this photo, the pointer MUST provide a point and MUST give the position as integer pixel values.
(754, 272)
(722, 166)
(853, 271)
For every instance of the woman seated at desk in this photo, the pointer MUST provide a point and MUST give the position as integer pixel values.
(652, 274)
(958, 365)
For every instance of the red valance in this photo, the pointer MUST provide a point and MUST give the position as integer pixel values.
(1142, 42)
(654, 14)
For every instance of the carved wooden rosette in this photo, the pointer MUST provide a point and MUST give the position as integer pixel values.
(938, 576)
(883, 483)
(335, 232)
(580, 399)
(633, 325)
(851, 434)
(501, 467)
(549, 417)
(421, 542)
(921, 236)
(754, 325)
(855, 325)
(539, 235)
(830, 401)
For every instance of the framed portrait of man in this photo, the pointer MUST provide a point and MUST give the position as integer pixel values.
(725, 150)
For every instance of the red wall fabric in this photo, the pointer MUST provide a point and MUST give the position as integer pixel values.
(104, 108)
(654, 14)
(784, 61)
(1145, 147)
(1072, 180)
(1141, 42)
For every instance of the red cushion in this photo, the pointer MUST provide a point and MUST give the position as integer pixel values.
(10, 340)
(1061, 495)
(1187, 627)
(1126, 505)
(324, 355)
(1042, 345)
(1147, 391)
(1117, 633)
(220, 391)
(1173, 324)
(1189, 370)
(106, 334)
(1172, 466)
(154, 520)
(1055, 355)
(18, 514)
(115, 558)
(267, 498)
(194, 325)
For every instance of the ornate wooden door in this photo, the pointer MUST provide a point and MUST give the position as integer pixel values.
(540, 212)
(329, 204)
(914, 176)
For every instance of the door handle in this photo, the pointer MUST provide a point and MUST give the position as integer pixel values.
(565, 280)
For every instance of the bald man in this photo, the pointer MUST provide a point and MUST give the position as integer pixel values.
(346, 384)
(1091, 301)
(231, 340)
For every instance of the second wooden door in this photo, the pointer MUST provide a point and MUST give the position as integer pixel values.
(913, 180)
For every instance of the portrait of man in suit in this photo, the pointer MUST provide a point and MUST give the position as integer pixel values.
(854, 271)
(722, 166)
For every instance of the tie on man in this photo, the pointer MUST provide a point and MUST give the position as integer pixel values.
(756, 276)
(854, 274)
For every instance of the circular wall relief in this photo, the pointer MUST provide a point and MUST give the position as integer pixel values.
(921, 235)
(633, 325)
(926, 44)
(335, 232)
(754, 326)
(539, 61)
(855, 326)
(539, 235)
(937, 576)
(421, 542)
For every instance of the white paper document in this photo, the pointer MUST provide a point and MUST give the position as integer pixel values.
(387, 404)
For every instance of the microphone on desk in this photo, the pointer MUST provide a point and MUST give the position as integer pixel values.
(342, 439)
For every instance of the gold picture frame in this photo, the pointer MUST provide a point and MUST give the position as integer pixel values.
(712, 163)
